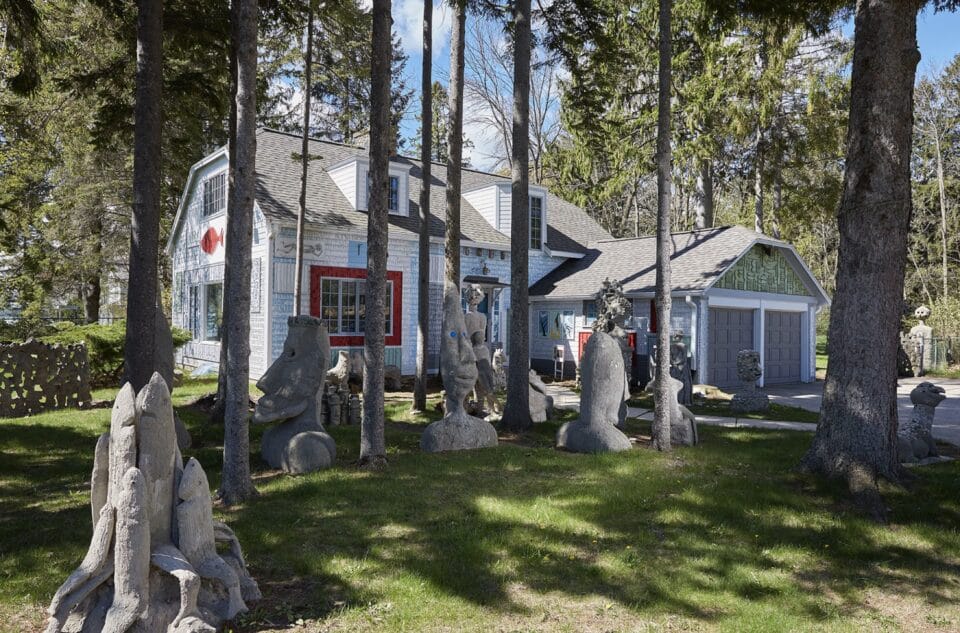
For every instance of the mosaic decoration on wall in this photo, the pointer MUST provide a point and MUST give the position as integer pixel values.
(760, 271)
(555, 324)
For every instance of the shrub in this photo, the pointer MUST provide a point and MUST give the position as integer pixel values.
(104, 346)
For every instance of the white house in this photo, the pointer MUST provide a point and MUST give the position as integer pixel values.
(335, 248)
(734, 289)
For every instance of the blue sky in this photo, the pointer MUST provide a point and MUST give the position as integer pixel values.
(938, 35)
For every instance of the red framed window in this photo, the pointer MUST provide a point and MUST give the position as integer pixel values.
(338, 297)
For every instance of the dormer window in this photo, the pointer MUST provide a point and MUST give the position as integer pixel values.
(215, 194)
(393, 201)
(536, 223)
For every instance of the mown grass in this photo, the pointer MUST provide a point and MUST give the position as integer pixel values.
(716, 406)
(721, 537)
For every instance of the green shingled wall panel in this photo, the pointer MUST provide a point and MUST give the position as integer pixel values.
(763, 269)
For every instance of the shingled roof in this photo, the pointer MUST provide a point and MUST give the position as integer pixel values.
(569, 229)
(699, 259)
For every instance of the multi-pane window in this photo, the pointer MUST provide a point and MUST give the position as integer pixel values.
(343, 306)
(536, 223)
(393, 201)
(193, 318)
(213, 311)
(215, 194)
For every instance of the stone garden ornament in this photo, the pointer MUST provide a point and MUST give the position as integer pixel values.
(613, 310)
(748, 399)
(604, 390)
(153, 565)
(458, 367)
(921, 338)
(915, 437)
(298, 443)
(476, 327)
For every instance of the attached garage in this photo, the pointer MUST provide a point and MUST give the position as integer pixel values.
(783, 351)
(731, 330)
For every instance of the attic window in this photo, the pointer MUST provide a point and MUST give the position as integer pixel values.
(536, 223)
(215, 194)
(393, 201)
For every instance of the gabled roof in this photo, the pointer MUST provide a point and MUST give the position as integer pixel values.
(569, 228)
(699, 259)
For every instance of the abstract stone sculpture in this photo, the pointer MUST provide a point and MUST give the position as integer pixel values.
(152, 565)
(500, 370)
(458, 367)
(613, 310)
(392, 378)
(680, 368)
(915, 437)
(683, 424)
(604, 390)
(748, 399)
(541, 404)
(338, 376)
(921, 337)
(476, 327)
(298, 444)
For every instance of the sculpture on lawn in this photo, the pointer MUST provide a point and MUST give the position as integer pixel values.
(680, 368)
(500, 370)
(921, 339)
(915, 437)
(476, 327)
(153, 564)
(541, 403)
(298, 443)
(613, 310)
(748, 399)
(458, 368)
(604, 390)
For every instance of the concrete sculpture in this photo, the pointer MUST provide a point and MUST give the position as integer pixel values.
(748, 399)
(298, 444)
(915, 437)
(152, 565)
(613, 310)
(680, 368)
(476, 327)
(921, 339)
(541, 404)
(604, 390)
(458, 367)
(683, 424)
(500, 361)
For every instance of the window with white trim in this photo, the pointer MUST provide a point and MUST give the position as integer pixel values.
(343, 304)
(536, 223)
(212, 311)
(393, 200)
(215, 194)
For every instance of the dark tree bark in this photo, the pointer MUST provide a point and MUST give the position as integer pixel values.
(516, 411)
(704, 194)
(373, 451)
(91, 286)
(662, 392)
(423, 259)
(220, 402)
(304, 166)
(235, 484)
(856, 438)
(455, 145)
(145, 219)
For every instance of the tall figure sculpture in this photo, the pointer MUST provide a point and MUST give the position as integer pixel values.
(476, 324)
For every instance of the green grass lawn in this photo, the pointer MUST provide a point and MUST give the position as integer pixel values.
(822, 356)
(716, 406)
(720, 537)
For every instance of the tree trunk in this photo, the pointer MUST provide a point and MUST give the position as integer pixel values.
(373, 451)
(220, 403)
(777, 205)
(91, 287)
(704, 194)
(758, 184)
(235, 484)
(662, 391)
(943, 211)
(516, 411)
(423, 258)
(857, 435)
(145, 219)
(451, 269)
(304, 166)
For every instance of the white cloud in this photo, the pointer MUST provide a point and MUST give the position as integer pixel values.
(408, 21)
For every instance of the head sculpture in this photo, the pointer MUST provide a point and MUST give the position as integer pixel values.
(927, 393)
(748, 365)
(922, 313)
(458, 364)
(475, 296)
(291, 383)
(613, 307)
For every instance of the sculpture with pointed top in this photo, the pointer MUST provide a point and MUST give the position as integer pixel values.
(152, 565)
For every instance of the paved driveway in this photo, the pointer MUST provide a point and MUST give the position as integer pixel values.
(946, 423)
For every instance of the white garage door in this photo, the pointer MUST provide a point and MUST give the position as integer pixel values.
(781, 342)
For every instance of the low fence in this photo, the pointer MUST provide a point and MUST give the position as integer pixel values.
(933, 354)
(37, 377)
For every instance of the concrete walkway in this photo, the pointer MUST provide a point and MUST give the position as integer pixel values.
(946, 424)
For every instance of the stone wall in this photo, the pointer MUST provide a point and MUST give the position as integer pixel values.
(36, 377)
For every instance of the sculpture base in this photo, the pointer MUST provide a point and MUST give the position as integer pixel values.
(749, 402)
(580, 437)
(458, 433)
(297, 448)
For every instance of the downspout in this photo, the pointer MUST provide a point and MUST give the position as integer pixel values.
(694, 312)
